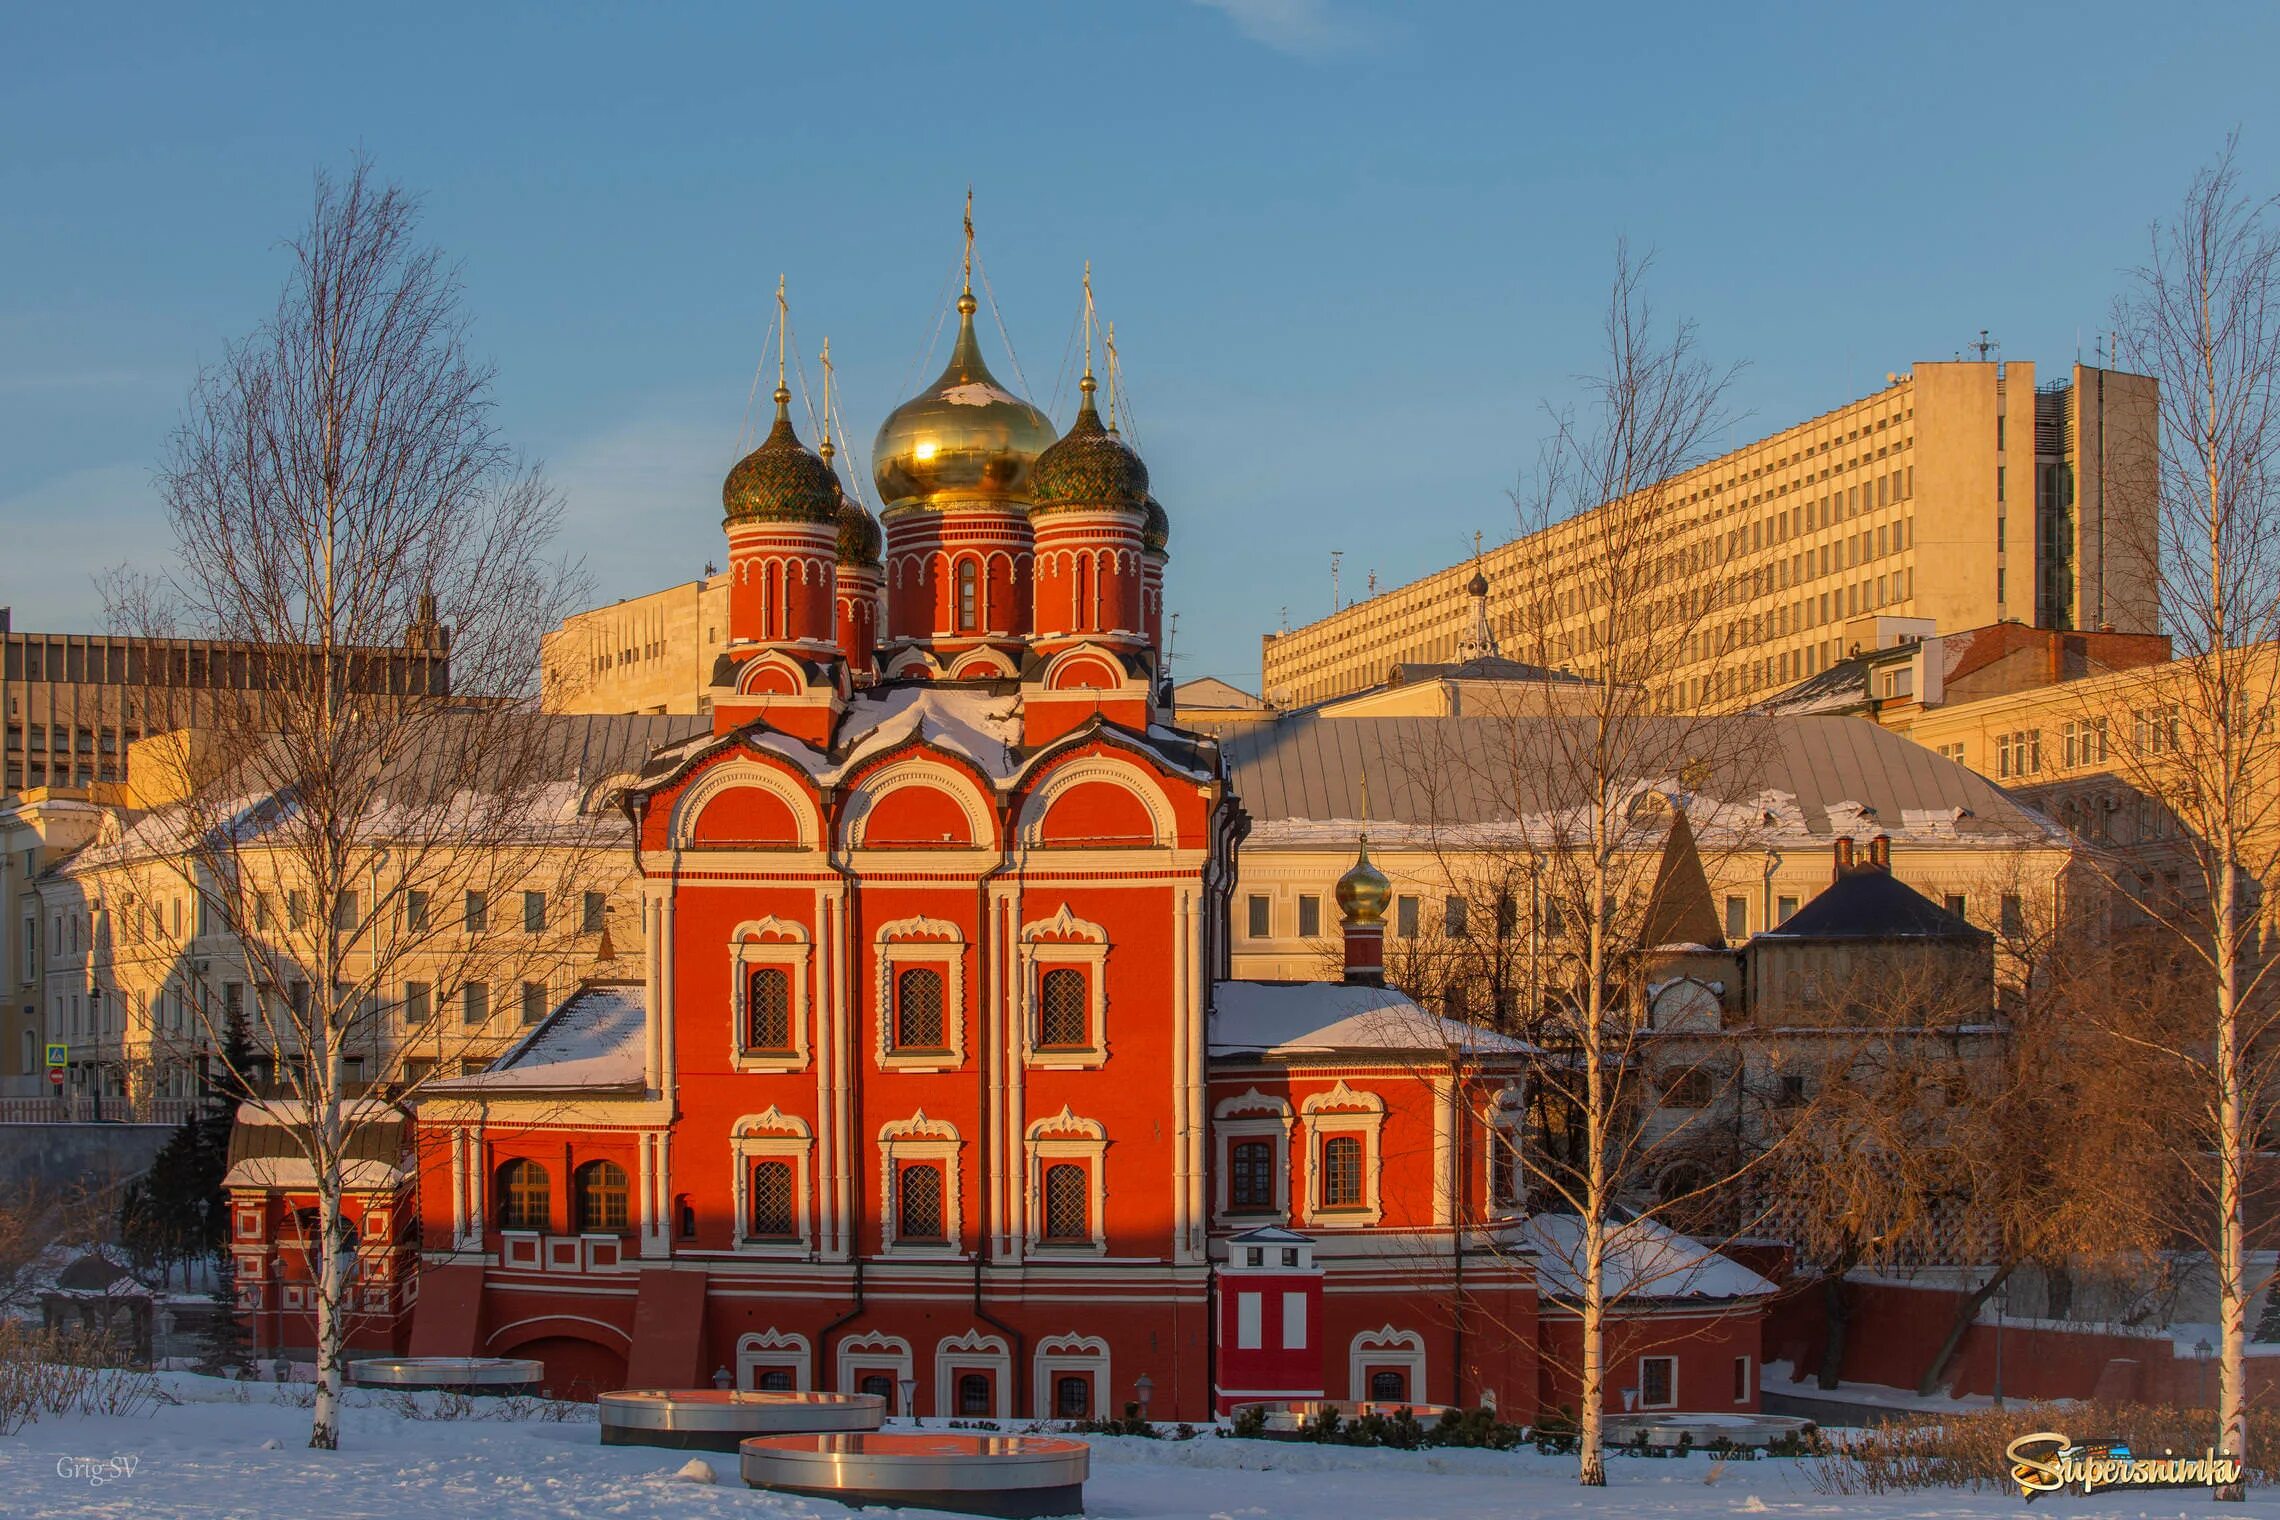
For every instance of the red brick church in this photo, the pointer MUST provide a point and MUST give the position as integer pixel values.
(936, 1076)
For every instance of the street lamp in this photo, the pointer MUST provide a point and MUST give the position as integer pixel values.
(1145, 1389)
(2202, 1351)
(910, 1401)
(722, 1377)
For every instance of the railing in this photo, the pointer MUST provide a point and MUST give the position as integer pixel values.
(85, 1108)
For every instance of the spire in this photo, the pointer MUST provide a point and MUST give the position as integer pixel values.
(1111, 346)
(966, 296)
(1088, 385)
(783, 320)
(826, 449)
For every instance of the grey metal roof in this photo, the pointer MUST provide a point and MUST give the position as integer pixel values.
(1818, 776)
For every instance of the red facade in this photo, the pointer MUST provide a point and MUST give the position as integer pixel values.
(934, 1074)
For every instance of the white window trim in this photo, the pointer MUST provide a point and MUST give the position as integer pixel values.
(1641, 1381)
(1077, 943)
(1385, 1347)
(973, 1351)
(1252, 1116)
(1065, 1137)
(769, 941)
(774, 1348)
(921, 941)
(1058, 1355)
(919, 1139)
(1343, 1111)
(1749, 1379)
(1507, 1127)
(874, 1353)
(773, 1136)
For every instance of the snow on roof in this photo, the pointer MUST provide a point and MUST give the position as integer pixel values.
(1643, 1260)
(1274, 1018)
(292, 1113)
(593, 1040)
(1271, 1235)
(296, 1174)
(1771, 781)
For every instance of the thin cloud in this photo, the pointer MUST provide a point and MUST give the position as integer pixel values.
(1301, 28)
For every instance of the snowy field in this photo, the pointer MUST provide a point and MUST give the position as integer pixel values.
(212, 1457)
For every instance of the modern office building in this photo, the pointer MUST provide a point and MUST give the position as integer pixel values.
(75, 701)
(1960, 495)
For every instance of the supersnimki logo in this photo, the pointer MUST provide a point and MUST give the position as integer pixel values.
(2047, 1462)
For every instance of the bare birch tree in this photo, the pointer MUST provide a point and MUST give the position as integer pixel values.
(1551, 824)
(2202, 318)
(363, 833)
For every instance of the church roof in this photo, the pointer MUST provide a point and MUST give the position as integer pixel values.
(1644, 1260)
(1868, 902)
(1310, 1018)
(1776, 782)
(1679, 911)
(592, 1042)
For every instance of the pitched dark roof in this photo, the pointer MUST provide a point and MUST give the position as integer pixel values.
(1869, 903)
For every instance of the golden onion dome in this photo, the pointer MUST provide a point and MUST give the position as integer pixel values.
(1089, 467)
(1363, 891)
(780, 481)
(965, 437)
(1155, 527)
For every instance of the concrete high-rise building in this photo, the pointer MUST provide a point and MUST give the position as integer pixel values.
(1958, 496)
(75, 701)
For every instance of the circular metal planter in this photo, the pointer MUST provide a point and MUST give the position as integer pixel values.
(716, 1419)
(451, 1374)
(1016, 1476)
(1287, 1418)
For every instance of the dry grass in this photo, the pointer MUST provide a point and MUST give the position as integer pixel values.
(1964, 1448)
(49, 1372)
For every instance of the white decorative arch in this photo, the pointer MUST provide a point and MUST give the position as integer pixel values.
(920, 941)
(922, 1139)
(1064, 940)
(917, 770)
(1343, 1111)
(729, 775)
(785, 944)
(1251, 1115)
(1342, 1099)
(774, 1122)
(557, 1319)
(977, 1352)
(1058, 1356)
(1386, 1347)
(913, 660)
(1111, 769)
(971, 665)
(873, 1352)
(775, 660)
(1067, 1137)
(774, 1348)
(772, 1136)
(1069, 1125)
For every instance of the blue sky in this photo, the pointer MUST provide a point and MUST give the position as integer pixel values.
(1351, 249)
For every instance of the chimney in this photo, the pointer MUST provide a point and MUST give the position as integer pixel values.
(1880, 853)
(1844, 853)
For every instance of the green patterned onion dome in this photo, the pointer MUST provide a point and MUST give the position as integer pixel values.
(781, 481)
(1156, 532)
(1089, 467)
(859, 541)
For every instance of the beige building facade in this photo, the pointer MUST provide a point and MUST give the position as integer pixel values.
(37, 829)
(645, 654)
(1961, 494)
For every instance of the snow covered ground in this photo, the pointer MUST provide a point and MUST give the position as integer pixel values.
(210, 1457)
